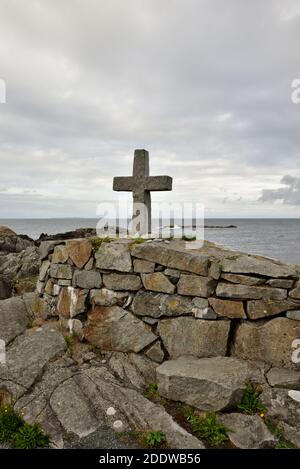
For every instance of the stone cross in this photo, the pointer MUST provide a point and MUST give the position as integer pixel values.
(140, 184)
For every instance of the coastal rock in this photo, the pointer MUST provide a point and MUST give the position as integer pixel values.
(228, 308)
(283, 378)
(61, 271)
(46, 248)
(194, 285)
(171, 257)
(247, 431)
(273, 341)
(114, 328)
(44, 270)
(105, 297)
(142, 266)
(250, 264)
(157, 281)
(159, 304)
(196, 337)
(245, 279)
(79, 251)
(60, 255)
(204, 313)
(246, 292)
(71, 302)
(133, 369)
(280, 283)
(210, 384)
(116, 281)
(258, 309)
(14, 318)
(87, 279)
(295, 293)
(11, 242)
(293, 314)
(114, 256)
(155, 352)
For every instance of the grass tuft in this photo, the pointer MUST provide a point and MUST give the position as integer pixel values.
(250, 403)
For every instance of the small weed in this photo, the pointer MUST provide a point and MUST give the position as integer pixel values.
(207, 427)
(19, 434)
(188, 238)
(250, 403)
(151, 390)
(70, 341)
(137, 241)
(97, 242)
(30, 437)
(155, 439)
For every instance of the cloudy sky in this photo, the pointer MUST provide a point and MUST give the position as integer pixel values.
(204, 85)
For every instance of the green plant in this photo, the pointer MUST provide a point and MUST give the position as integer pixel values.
(19, 434)
(10, 422)
(155, 439)
(151, 390)
(250, 403)
(30, 437)
(189, 238)
(207, 427)
(97, 242)
(70, 341)
(137, 241)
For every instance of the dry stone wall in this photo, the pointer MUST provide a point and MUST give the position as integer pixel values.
(164, 300)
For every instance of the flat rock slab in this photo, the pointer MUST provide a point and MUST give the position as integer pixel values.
(114, 256)
(247, 264)
(117, 281)
(158, 282)
(210, 384)
(195, 285)
(159, 304)
(196, 337)
(30, 353)
(14, 318)
(248, 431)
(79, 251)
(114, 328)
(283, 378)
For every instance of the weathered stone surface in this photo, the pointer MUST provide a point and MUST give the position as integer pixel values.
(246, 292)
(46, 248)
(204, 313)
(90, 264)
(134, 369)
(270, 342)
(159, 304)
(14, 318)
(73, 409)
(250, 264)
(114, 256)
(228, 308)
(71, 302)
(190, 336)
(87, 279)
(280, 283)
(248, 431)
(11, 242)
(29, 354)
(61, 271)
(171, 257)
(105, 297)
(155, 352)
(142, 266)
(79, 251)
(295, 293)
(113, 328)
(44, 270)
(210, 384)
(283, 408)
(64, 283)
(194, 285)
(172, 273)
(257, 309)
(157, 281)
(60, 254)
(117, 281)
(283, 378)
(244, 279)
(40, 308)
(293, 314)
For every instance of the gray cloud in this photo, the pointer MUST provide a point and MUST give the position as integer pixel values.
(205, 89)
(289, 194)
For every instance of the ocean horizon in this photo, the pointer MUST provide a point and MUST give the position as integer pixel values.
(278, 238)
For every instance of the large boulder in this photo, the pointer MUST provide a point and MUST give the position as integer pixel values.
(114, 328)
(11, 242)
(270, 342)
(210, 384)
(196, 337)
(14, 318)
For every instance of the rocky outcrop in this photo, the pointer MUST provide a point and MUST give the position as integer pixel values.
(11, 242)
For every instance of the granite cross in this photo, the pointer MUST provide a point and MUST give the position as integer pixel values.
(140, 184)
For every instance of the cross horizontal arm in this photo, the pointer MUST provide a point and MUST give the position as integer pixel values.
(123, 184)
(158, 183)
